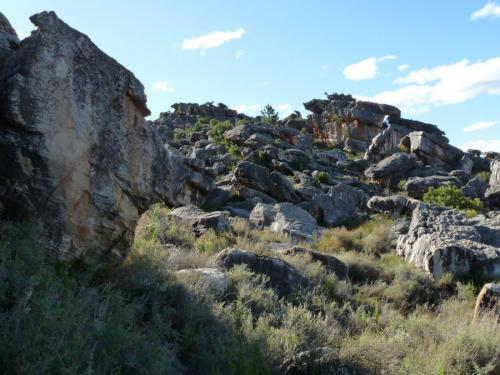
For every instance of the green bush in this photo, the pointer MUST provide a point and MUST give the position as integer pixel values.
(485, 176)
(452, 197)
(323, 177)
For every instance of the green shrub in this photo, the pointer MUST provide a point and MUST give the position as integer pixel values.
(485, 176)
(323, 177)
(452, 197)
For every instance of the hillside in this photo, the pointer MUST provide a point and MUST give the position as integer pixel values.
(350, 240)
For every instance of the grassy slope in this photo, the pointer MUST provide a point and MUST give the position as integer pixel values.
(139, 318)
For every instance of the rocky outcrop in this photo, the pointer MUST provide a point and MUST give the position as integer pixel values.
(283, 277)
(393, 205)
(76, 151)
(441, 241)
(200, 220)
(488, 302)
(392, 169)
(493, 192)
(286, 218)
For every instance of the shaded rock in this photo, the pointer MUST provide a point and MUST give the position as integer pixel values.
(492, 194)
(76, 151)
(286, 218)
(391, 170)
(200, 220)
(394, 205)
(209, 279)
(488, 301)
(440, 241)
(332, 156)
(298, 159)
(341, 205)
(259, 178)
(475, 188)
(416, 187)
(283, 277)
(330, 263)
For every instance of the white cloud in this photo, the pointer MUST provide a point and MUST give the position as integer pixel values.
(162, 86)
(324, 67)
(365, 69)
(403, 67)
(483, 145)
(442, 85)
(284, 109)
(491, 10)
(481, 125)
(247, 108)
(212, 40)
(238, 54)
(266, 83)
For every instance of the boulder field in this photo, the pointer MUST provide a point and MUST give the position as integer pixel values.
(78, 154)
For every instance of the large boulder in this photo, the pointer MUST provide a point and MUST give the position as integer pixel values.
(475, 188)
(441, 241)
(283, 277)
(392, 169)
(488, 302)
(200, 220)
(416, 187)
(393, 205)
(340, 206)
(493, 192)
(259, 178)
(76, 151)
(286, 218)
(434, 149)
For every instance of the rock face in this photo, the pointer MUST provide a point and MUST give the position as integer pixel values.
(286, 218)
(200, 220)
(283, 277)
(488, 301)
(392, 169)
(493, 192)
(441, 241)
(75, 148)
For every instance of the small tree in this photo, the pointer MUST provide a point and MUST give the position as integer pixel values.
(270, 115)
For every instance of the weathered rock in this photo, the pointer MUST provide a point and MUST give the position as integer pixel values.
(493, 192)
(286, 218)
(209, 279)
(416, 187)
(9, 41)
(200, 220)
(76, 151)
(283, 277)
(340, 206)
(392, 169)
(330, 263)
(434, 149)
(475, 188)
(441, 241)
(488, 301)
(259, 178)
(298, 159)
(332, 156)
(394, 205)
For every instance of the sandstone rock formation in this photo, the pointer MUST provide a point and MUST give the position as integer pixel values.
(488, 301)
(441, 241)
(200, 220)
(75, 148)
(493, 192)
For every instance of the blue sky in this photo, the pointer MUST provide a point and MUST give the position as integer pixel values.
(439, 61)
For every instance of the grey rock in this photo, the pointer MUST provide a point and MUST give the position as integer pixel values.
(434, 149)
(394, 205)
(298, 159)
(340, 206)
(392, 169)
(416, 187)
(200, 220)
(283, 277)
(493, 192)
(441, 241)
(475, 188)
(332, 156)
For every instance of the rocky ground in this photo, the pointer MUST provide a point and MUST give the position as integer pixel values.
(290, 246)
